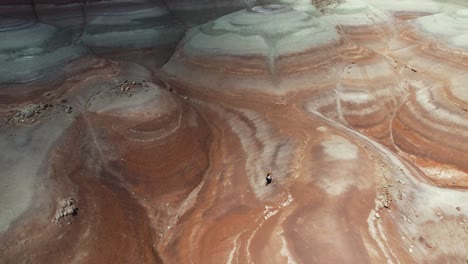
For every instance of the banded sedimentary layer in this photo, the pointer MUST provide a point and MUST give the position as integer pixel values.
(30, 49)
(358, 109)
(139, 31)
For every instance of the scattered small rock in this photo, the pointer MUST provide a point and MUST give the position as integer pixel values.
(377, 215)
(27, 114)
(65, 207)
(126, 86)
(458, 208)
(400, 194)
(425, 242)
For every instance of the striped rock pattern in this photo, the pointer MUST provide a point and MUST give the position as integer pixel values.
(358, 109)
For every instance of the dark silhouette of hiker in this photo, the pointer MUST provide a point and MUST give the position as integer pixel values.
(269, 178)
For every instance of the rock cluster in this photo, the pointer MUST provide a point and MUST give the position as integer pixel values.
(31, 113)
(126, 85)
(66, 207)
(28, 114)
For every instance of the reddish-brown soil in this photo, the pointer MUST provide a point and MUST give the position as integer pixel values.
(365, 138)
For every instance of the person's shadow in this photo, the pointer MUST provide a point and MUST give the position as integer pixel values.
(268, 180)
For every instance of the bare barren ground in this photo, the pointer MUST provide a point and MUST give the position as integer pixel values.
(362, 125)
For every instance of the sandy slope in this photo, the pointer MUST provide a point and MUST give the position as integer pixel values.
(360, 114)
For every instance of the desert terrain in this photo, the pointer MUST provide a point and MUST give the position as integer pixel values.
(136, 131)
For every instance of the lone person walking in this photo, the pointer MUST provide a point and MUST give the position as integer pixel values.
(269, 178)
